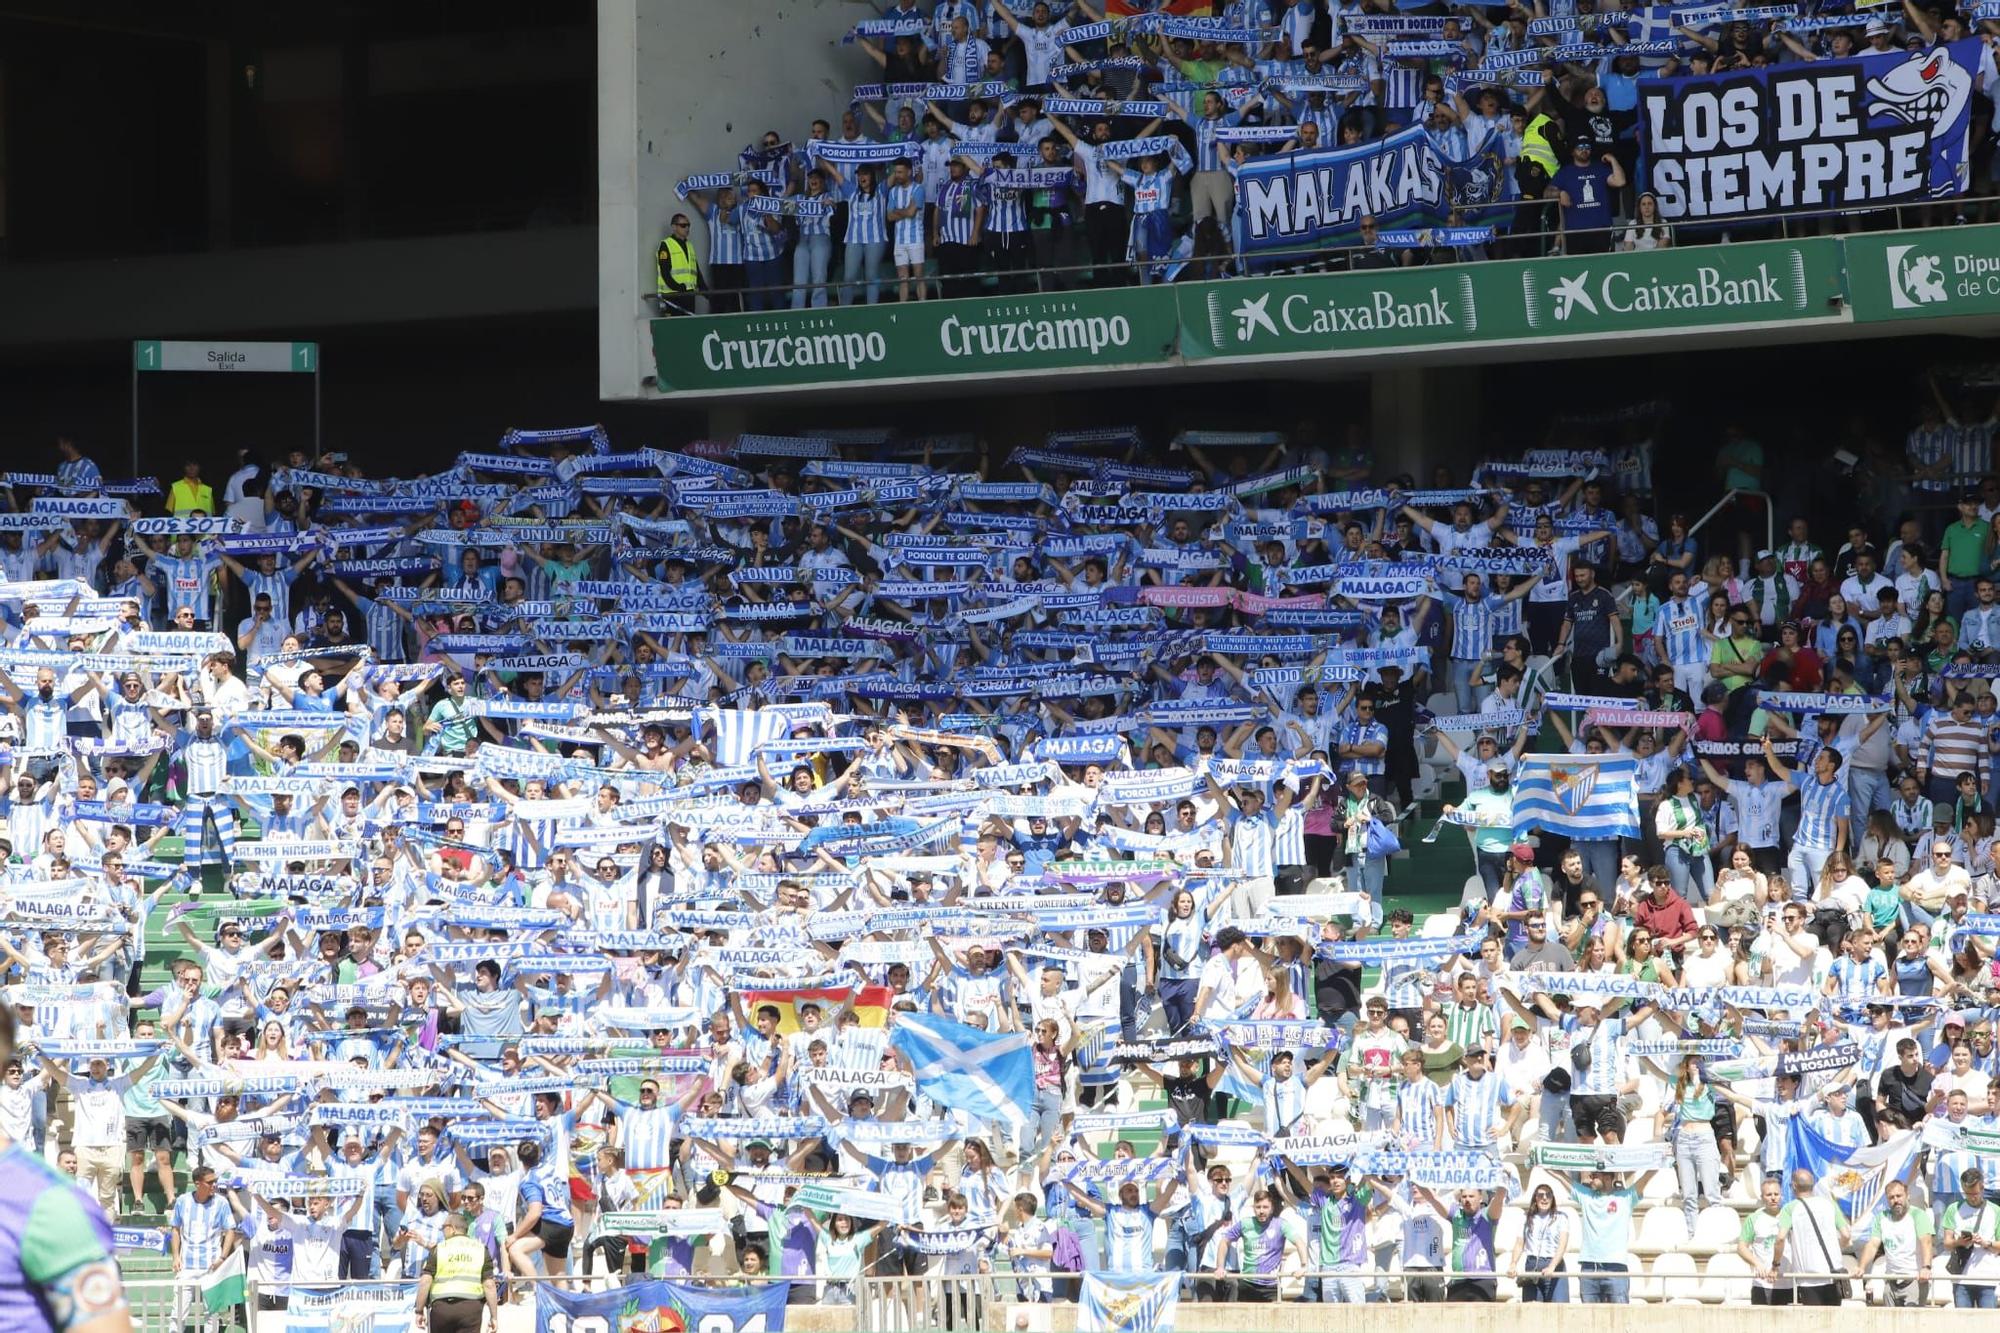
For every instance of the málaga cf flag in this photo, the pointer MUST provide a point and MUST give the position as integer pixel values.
(1578, 795)
(1128, 1303)
(1853, 1177)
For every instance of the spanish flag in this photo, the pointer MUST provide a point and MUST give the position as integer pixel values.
(871, 1004)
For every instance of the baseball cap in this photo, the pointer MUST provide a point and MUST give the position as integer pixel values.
(1876, 26)
(1496, 766)
(1764, 555)
(1522, 851)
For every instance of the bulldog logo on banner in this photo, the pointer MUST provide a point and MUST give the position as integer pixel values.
(1878, 129)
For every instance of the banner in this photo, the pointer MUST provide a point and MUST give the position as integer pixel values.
(1615, 1157)
(759, 1308)
(1300, 201)
(1578, 795)
(1874, 130)
(1076, 330)
(379, 1307)
(1127, 1303)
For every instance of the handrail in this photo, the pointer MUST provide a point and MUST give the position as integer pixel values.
(1729, 498)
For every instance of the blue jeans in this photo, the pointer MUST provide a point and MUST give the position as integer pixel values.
(809, 268)
(1336, 1289)
(1492, 868)
(1691, 874)
(1962, 595)
(1605, 1290)
(765, 276)
(1867, 791)
(869, 257)
(1461, 683)
(1047, 1120)
(1365, 874)
(1968, 1297)
(1600, 858)
(1177, 996)
(1542, 1290)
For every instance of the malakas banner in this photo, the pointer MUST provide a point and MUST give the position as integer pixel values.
(1880, 129)
(1299, 201)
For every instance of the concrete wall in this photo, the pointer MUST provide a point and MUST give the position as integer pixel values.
(681, 88)
(297, 291)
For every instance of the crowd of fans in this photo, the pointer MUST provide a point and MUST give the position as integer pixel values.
(610, 807)
(1022, 142)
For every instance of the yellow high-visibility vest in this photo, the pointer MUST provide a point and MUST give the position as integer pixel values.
(676, 270)
(460, 1262)
(1535, 145)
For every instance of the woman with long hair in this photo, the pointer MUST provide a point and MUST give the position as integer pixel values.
(1649, 231)
(1687, 1120)
(1178, 945)
(1538, 1252)
(1684, 838)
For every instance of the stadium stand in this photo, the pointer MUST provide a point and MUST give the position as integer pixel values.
(1066, 144)
(942, 877)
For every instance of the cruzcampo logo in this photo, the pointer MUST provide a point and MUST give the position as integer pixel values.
(1676, 294)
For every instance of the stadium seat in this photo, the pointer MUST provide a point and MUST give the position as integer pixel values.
(1645, 1287)
(1940, 1279)
(1725, 1279)
(1716, 1230)
(1675, 1276)
(1661, 1229)
(1439, 925)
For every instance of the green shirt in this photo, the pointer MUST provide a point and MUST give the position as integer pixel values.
(1740, 455)
(1899, 1238)
(1492, 813)
(1965, 545)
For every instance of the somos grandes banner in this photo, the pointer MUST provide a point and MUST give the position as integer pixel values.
(1299, 201)
(1880, 129)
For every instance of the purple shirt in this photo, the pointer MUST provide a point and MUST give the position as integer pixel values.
(797, 1240)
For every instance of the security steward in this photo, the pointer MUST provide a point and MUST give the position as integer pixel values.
(679, 278)
(457, 1283)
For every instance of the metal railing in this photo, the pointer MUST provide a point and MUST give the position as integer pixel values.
(979, 1302)
(1770, 516)
(1054, 279)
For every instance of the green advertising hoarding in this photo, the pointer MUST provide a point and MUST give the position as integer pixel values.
(1937, 274)
(1497, 306)
(922, 340)
(1526, 300)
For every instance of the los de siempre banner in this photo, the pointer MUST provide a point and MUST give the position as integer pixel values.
(662, 1306)
(1876, 130)
(1302, 201)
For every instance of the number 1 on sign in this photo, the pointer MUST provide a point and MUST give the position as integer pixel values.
(302, 355)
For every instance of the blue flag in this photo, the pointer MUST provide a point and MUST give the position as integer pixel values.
(756, 1309)
(987, 1074)
(1478, 184)
(1577, 795)
(1853, 1177)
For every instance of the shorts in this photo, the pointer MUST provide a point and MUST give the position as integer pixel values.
(909, 256)
(555, 1238)
(141, 1135)
(580, 1190)
(898, 1261)
(1596, 1115)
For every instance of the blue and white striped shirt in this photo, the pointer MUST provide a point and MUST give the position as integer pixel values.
(647, 1136)
(909, 230)
(1819, 806)
(201, 1228)
(956, 202)
(725, 236)
(1472, 624)
(1680, 626)
(1601, 1079)
(1004, 212)
(1252, 841)
(278, 587)
(1417, 1101)
(864, 219)
(1288, 839)
(1476, 1107)
(759, 242)
(1359, 733)
(207, 763)
(1207, 148)
(1152, 191)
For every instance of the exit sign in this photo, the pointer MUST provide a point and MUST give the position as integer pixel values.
(259, 357)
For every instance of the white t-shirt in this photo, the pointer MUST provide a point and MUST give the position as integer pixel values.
(99, 1112)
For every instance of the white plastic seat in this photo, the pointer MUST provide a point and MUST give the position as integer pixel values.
(1662, 1229)
(1676, 1276)
(1716, 1230)
(1439, 925)
(1725, 1279)
(1644, 1286)
(1940, 1278)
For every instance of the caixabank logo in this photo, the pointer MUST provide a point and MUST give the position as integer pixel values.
(1592, 297)
(1246, 319)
